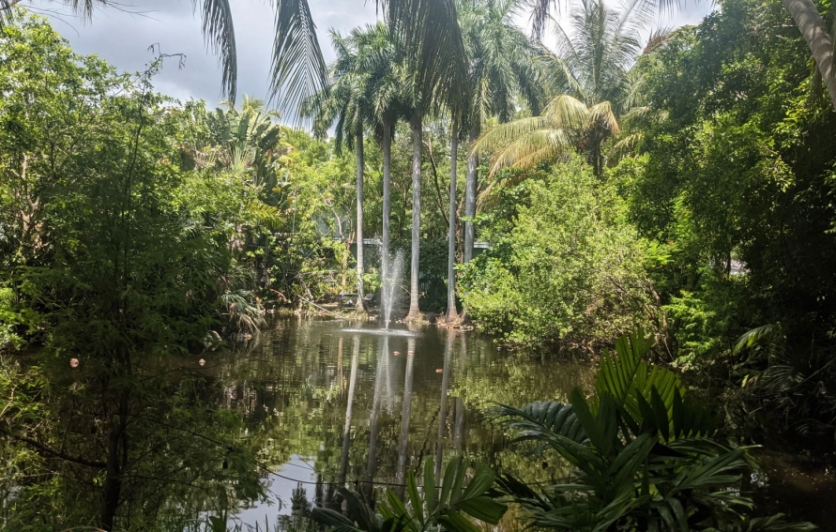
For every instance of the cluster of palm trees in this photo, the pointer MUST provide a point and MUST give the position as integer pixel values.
(379, 79)
(298, 69)
(576, 96)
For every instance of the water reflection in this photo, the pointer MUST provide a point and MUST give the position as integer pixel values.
(328, 406)
(347, 430)
(406, 410)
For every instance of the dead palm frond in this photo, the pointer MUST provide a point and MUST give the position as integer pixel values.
(243, 312)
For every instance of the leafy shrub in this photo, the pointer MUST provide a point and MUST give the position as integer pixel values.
(706, 322)
(570, 269)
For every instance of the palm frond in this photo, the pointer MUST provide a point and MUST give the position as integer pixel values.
(298, 70)
(566, 112)
(540, 420)
(603, 116)
(82, 8)
(624, 148)
(527, 151)
(429, 32)
(501, 135)
(657, 39)
(219, 34)
(540, 15)
(754, 336)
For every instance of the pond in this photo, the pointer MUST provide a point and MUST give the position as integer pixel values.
(334, 403)
(330, 402)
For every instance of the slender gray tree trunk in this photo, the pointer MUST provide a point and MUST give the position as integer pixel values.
(360, 305)
(470, 205)
(470, 196)
(452, 314)
(387, 189)
(417, 145)
(812, 27)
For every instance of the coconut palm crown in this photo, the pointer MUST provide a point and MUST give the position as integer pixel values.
(590, 72)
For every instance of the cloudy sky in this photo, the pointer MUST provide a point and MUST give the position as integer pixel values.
(121, 34)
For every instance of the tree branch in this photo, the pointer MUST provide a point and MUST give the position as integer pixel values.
(57, 454)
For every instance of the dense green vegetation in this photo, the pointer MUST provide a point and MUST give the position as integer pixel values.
(682, 184)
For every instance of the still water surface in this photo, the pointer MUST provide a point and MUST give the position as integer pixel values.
(329, 402)
(333, 402)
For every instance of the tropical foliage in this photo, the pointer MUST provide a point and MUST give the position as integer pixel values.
(684, 187)
(643, 456)
(429, 507)
(565, 267)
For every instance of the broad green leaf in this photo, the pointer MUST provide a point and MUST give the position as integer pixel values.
(483, 508)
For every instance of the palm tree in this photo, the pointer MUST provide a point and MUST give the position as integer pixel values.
(345, 102)
(503, 65)
(250, 127)
(591, 72)
(438, 79)
(246, 141)
(380, 59)
(416, 124)
(452, 314)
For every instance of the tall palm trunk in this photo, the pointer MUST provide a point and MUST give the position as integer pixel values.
(387, 189)
(470, 195)
(470, 203)
(360, 305)
(812, 27)
(452, 314)
(416, 124)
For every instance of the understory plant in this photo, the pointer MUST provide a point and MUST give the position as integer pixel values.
(784, 388)
(428, 507)
(644, 457)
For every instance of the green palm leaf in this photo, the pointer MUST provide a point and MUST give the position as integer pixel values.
(540, 420)
(297, 67)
